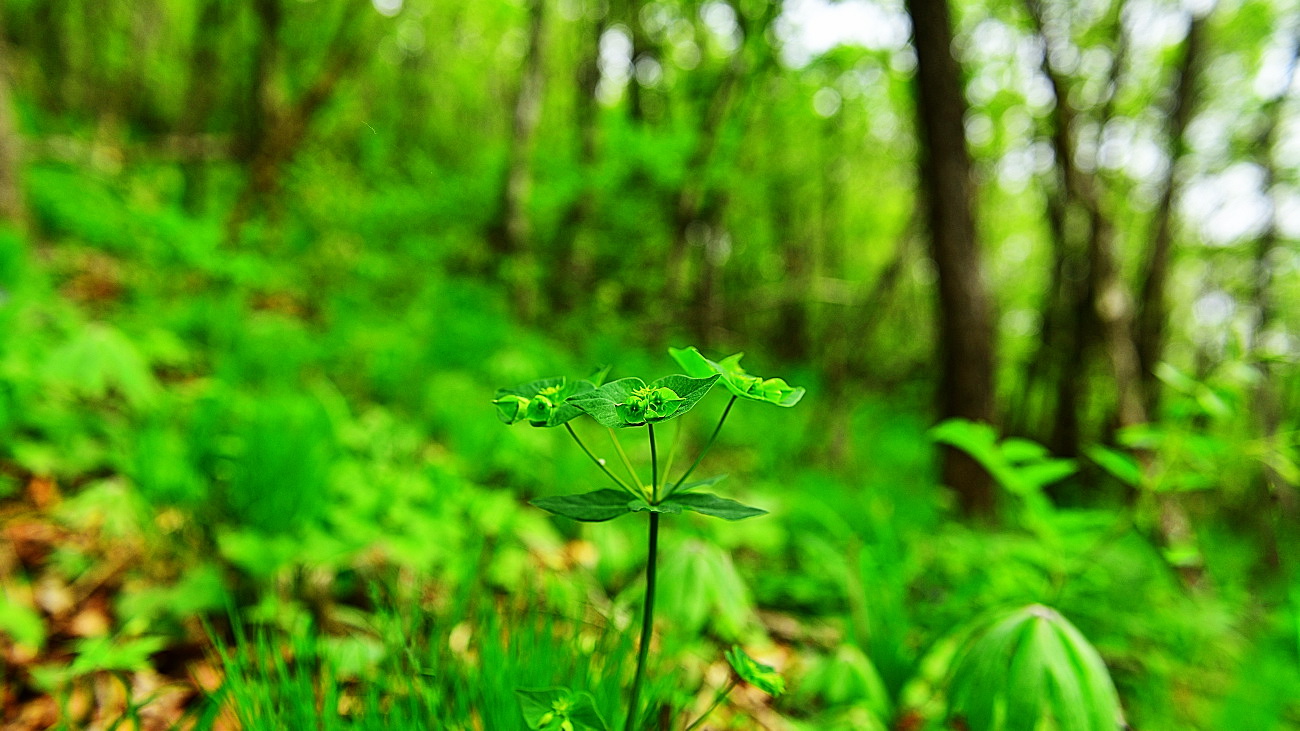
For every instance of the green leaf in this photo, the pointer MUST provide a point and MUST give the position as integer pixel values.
(629, 402)
(666, 508)
(1122, 467)
(602, 403)
(691, 390)
(543, 403)
(738, 382)
(763, 677)
(598, 376)
(709, 504)
(560, 709)
(591, 507)
(700, 483)
(1028, 668)
(103, 653)
(1024, 450)
(21, 623)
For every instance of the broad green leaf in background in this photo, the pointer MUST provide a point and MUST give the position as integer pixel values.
(121, 654)
(590, 507)
(700, 587)
(23, 624)
(738, 382)
(1029, 667)
(1121, 466)
(1018, 465)
(763, 677)
(629, 402)
(559, 709)
(700, 483)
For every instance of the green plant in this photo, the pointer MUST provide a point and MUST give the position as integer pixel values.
(633, 403)
(1020, 669)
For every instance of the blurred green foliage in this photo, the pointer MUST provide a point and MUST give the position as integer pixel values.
(275, 437)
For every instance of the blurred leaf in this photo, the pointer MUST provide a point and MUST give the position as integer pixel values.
(23, 624)
(1121, 466)
(1031, 667)
(763, 677)
(96, 654)
(560, 709)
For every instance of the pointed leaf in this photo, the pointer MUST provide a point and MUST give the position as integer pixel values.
(763, 677)
(690, 390)
(542, 402)
(700, 483)
(737, 381)
(602, 403)
(598, 376)
(667, 508)
(591, 507)
(717, 507)
(1121, 466)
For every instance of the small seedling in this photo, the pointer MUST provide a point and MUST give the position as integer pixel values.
(630, 403)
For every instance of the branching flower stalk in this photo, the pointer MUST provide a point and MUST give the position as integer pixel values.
(631, 403)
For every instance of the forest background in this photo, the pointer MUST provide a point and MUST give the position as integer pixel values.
(264, 264)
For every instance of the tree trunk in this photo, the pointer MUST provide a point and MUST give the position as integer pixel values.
(573, 254)
(511, 235)
(966, 387)
(1153, 308)
(1267, 400)
(278, 125)
(200, 100)
(697, 203)
(640, 44)
(13, 209)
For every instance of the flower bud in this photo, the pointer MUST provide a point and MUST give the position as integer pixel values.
(540, 410)
(633, 411)
(511, 408)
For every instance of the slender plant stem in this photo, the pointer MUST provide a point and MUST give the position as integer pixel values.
(704, 451)
(717, 701)
(627, 463)
(599, 462)
(672, 451)
(647, 624)
(654, 465)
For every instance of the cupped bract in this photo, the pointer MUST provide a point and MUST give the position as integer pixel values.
(629, 402)
(738, 382)
(542, 402)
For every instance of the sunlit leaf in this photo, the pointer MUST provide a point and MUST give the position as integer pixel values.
(630, 402)
(763, 677)
(738, 382)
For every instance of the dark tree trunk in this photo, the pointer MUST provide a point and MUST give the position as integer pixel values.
(13, 209)
(640, 45)
(511, 234)
(200, 100)
(573, 253)
(1268, 401)
(1153, 307)
(966, 387)
(279, 125)
(698, 207)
